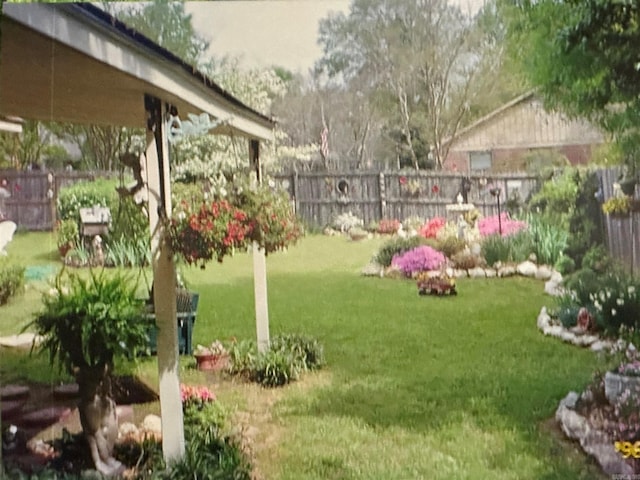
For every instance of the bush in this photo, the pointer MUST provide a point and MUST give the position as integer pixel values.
(432, 227)
(11, 280)
(597, 258)
(450, 245)
(418, 260)
(613, 299)
(275, 368)
(565, 265)
(547, 241)
(307, 351)
(514, 248)
(71, 199)
(494, 225)
(397, 246)
(466, 261)
(346, 221)
(287, 357)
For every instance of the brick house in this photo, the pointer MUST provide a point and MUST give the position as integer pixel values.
(522, 136)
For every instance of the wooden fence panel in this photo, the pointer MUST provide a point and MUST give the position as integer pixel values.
(372, 196)
(32, 204)
(622, 233)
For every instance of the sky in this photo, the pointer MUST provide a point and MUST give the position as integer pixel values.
(264, 33)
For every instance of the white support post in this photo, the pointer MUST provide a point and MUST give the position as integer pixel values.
(259, 266)
(164, 282)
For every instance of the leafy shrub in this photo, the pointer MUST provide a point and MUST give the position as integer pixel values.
(308, 352)
(207, 456)
(397, 246)
(450, 245)
(496, 249)
(466, 260)
(418, 260)
(11, 280)
(597, 258)
(100, 192)
(286, 358)
(514, 248)
(613, 298)
(67, 234)
(275, 368)
(128, 253)
(242, 358)
(547, 241)
(565, 265)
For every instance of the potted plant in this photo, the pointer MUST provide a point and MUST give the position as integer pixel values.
(212, 357)
(85, 324)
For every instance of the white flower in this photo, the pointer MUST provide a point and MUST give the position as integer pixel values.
(631, 290)
(597, 305)
(620, 301)
(613, 312)
(182, 216)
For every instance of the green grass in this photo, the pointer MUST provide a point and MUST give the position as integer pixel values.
(415, 387)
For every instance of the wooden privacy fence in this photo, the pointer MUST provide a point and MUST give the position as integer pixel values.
(372, 196)
(33, 193)
(622, 233)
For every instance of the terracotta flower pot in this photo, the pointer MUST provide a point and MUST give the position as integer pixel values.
(214, 362)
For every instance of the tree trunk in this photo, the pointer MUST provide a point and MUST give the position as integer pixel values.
(98, 417)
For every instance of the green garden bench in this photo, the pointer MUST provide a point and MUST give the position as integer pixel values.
(187, 307)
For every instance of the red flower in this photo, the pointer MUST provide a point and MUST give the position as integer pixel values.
(403, 180)
(435, 189)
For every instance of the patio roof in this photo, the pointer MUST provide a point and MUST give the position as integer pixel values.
(76, 63)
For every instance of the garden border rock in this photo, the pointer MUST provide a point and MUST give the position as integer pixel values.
(593, 441)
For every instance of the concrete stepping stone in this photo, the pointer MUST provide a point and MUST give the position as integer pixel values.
(11, 408)
(46, 416)
(67, 390)
(11, 392)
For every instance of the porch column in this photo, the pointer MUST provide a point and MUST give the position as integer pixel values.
(164, 280)
(259, 265)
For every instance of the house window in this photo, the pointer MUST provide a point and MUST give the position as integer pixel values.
(480, 161)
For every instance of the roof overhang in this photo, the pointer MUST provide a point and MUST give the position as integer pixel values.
(75, 63)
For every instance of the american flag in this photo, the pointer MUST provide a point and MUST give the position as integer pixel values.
(324, 142)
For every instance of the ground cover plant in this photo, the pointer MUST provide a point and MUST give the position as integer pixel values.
(414, 387)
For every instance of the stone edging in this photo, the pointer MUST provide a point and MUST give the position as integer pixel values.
(594, 342)
(593, 441)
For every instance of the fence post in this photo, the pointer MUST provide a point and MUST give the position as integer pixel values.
(294, 191)
(383, 196)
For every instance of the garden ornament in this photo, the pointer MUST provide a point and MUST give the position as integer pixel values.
(7, 229)
(98, 253)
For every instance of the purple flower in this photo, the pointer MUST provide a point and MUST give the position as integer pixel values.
(419, 259)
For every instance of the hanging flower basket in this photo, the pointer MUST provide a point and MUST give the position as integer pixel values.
(216, 229)
(213, 230)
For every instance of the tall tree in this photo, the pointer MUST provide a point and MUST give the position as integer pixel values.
(423, 57)
(583, 58)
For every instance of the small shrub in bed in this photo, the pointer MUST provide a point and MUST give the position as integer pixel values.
(418, 260)
(11, 280)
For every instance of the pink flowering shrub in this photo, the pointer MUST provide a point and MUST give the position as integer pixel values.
(490, 226)
(418, 260)
(432, 227)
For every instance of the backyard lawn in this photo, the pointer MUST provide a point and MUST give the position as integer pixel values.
(414, 387)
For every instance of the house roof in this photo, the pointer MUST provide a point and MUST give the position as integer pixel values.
(490, 116)
(74, 62)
